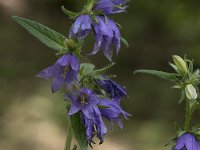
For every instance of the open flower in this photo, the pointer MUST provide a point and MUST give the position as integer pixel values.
(112, 111)
(81, 27)
(111, 6)
(86, 102)
(65, 70)
(187, 142)
(115, 90)
(107, 37)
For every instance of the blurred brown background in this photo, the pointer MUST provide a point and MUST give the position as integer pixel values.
(31, 118)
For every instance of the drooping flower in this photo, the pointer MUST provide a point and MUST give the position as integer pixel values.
(115, 90)
(112, 111)
(64, 71)
(111, 6)
(81, 27)
(107, 37)
(86, 102)
(187, 142)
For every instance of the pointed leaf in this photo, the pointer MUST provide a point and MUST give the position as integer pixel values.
(79, 131)
(160, 74)
(46, 35)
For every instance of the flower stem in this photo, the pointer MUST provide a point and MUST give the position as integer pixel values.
(69, 137)
(187, 116)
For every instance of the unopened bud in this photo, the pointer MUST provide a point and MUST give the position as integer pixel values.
(190, 91)
(180, 63)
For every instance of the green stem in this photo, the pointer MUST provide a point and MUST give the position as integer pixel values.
(69, 137)
(187, 116)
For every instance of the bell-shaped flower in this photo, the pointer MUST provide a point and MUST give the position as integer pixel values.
(111, 6)
(64, 71)
(86, 102)
(115, 90)
(187, 142)
(113, 112)
(107, 37)
(81, 27)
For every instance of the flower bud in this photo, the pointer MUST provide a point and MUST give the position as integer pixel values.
(180, 63)
(190, 91)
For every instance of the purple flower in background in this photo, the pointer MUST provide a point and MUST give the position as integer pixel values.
(111, 6)
(187, 142)
(112, 112)
(115, 90)
(65, 70)
(81, 27)
(86, 101)
(107, 37)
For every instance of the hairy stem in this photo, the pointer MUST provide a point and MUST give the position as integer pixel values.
(187, 116)
(69, 137)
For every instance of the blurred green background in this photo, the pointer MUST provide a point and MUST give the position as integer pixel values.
(33, 118)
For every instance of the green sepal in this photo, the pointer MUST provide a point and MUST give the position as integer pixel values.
(86, 68)
(99, 72)
(177, 128)
(173, 141)
(72, 15)
(124, 41)
(46, 35)
(79, 131)
(173, 66)
(89, 5)
(164, 75)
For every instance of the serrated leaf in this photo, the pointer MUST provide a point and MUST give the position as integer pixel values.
(160, 74)
(79, 131)
(46, 35)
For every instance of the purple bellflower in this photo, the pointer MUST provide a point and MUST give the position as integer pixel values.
(107, 36)
(111, 6)
(113, 112)
(115, 90)
(86, 102)
(64, 71)
(187, 142)
(81, 27)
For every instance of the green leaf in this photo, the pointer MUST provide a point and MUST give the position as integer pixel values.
(79, 131)
(46, 35)
(124, 41)
(160, 74)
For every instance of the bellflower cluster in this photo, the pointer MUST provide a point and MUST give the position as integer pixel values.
(106, 31)
(187, 80)
(90, 95)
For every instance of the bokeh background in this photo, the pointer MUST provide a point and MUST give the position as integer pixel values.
(32, 118)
